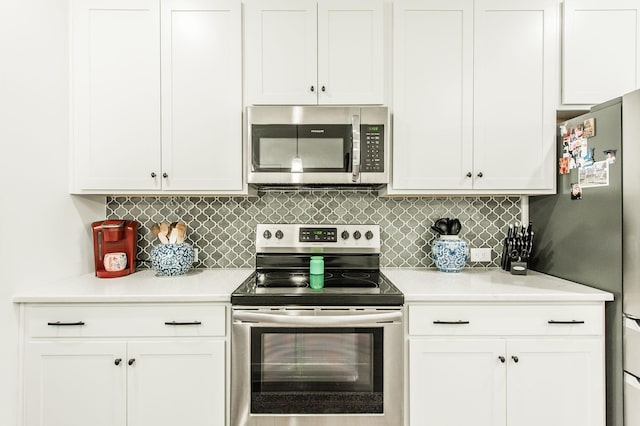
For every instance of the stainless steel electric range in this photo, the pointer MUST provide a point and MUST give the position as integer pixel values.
(328, 356)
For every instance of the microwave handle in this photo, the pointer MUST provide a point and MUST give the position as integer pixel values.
(355, 130)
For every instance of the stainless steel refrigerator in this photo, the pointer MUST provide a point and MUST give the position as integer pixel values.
(589, 234)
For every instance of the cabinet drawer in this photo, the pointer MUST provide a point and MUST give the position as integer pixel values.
(505, 319)
(137, 320)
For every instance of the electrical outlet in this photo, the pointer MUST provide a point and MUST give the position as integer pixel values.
(481, 255)
(195, 255)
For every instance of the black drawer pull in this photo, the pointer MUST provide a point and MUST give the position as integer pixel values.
(502, 359)
(131, 361)
(58, 323)
(117, 361)
(565, 322)
(183, 323)
(459, 322)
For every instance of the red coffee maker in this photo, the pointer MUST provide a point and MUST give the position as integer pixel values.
(114, 247)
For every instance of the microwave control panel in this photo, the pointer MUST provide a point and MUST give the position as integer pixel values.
(372, 148)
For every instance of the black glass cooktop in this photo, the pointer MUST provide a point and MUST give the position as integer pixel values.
(342, 287)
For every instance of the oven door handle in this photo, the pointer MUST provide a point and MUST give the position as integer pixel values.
(313, 320)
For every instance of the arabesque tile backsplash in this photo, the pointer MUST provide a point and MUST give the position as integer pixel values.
(223, 228)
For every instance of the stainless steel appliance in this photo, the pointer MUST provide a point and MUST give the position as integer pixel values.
(328, 356)
(317, 145)
(592, 237)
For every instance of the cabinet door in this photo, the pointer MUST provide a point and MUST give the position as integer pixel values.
(455, 382)
(515, 81)
(75, 384)
(556, 382)
(177, 383)
(201, 95)
(601, 52)
(116, 96)
(281, 51)
(350, 52)
(433, 94)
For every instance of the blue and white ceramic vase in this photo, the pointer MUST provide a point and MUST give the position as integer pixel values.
(169, 260)
(450, 253)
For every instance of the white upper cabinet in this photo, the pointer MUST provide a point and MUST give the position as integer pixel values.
(601, 50)
(475, 91)
(116, 93)
(201, 95)
(350, 52)
(433, 94)
(157, 96)
(515, 95)
(311, 52)
(281, 51)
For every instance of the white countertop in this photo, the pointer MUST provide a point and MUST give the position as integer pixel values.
(475, 285)
(197, 285)
(216, 285)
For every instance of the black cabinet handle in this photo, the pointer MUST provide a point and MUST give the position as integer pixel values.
(165, 175)
(153, 174)
(313, 89)
(469, 174)
(566, 322)
(480, 174)
(183, 323)
(515, 358)
(131, 361)
(324, 89)
(502, 359)
(58, 323)
(117, 361)
(459, 322)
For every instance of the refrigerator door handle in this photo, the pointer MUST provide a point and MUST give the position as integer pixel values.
(632, 380)
(632, 322)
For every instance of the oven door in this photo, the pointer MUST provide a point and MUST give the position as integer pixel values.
(316, 366)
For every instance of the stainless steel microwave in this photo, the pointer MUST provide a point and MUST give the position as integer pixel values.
(311, 145)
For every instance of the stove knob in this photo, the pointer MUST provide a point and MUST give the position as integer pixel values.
(279, 234)
(344, 235)
(368, 235)
(267, 234)
(357, 235)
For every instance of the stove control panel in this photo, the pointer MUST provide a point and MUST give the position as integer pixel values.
(327, 235)
(315, 238)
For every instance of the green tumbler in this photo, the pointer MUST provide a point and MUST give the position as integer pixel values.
(316, 272)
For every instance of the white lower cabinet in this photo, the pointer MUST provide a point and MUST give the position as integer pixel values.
(456, 382)
(460, 372)
(75, 384)
(75, 377)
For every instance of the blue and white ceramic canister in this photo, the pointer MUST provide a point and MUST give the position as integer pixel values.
(172, 259)
(450, 253)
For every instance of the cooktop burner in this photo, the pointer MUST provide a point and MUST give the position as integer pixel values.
(351, 279)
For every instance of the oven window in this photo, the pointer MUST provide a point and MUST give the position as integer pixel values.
(316, 370)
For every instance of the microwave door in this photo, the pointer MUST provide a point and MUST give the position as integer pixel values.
(274, 147)
(325, 148)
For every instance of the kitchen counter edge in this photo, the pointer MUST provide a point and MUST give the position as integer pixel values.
(198, 285)
(216, 285)
(489, 285)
